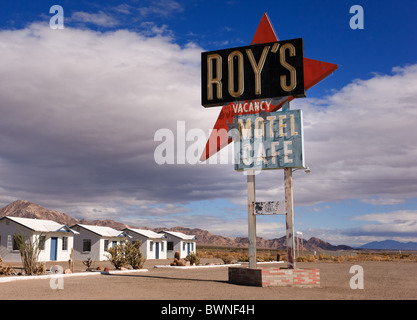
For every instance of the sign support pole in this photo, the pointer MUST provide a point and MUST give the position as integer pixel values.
(251, 218)
(289, 217)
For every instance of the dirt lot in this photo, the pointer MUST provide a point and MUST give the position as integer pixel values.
(382, 280)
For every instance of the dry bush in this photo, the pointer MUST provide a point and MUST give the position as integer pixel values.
(193, 258)
(29, 253)
(134, 255)
(226, 257)
(126, 253)
(301, 259)
(117, 256)
(6, 270)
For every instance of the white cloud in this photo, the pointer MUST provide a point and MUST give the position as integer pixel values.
(382, 201)
(360, 141)
(161, 8)
(399, 216)
(101, 18)
(80, 109)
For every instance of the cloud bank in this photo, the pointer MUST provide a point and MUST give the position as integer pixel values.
(80, 109)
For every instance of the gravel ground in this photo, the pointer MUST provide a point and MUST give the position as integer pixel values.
(382, 281)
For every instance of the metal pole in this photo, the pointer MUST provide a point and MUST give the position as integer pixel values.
(251, 219)
(302, 245)
(289, 217)
(298, 245)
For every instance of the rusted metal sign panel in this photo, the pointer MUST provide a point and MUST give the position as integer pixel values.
(269, 208)
(268, 140)
(260, 71)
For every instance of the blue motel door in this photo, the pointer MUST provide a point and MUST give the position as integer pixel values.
(188, 249)
(54, 248)
(156, 250)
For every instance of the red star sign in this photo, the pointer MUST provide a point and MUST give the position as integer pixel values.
(314, 72)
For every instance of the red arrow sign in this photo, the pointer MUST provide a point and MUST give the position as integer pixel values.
(314, 72)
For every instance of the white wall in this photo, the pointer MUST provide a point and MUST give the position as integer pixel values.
(179, 246)
(97, 252)
(148, 246)
(10, 255)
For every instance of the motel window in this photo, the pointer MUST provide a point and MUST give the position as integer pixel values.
(15, 246)
(162, 247)
(42, 240)
(106, 244)
(183, 246)
(64, 243)
(170, 246)
(10, 242)
(150, 245)
(86, 245)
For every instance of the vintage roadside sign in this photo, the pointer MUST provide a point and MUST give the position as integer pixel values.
(259, 71)
(268, 140)
(269, 208)
(313, 72)
(251, 84)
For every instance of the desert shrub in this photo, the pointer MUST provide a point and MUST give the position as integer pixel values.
(29, 253)
(226, 257)
(243, 258)
(134, 255)
(88, 263)
(311, 258)
(5, 270)
(193, 258)
(117, 255)
(323, 256)
(125, 253)
(301, 259)
(268, 257)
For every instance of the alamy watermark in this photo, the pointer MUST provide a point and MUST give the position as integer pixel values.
(250, 149)
(357, 20)
(57, 21)
(356, 282)
(57, 281)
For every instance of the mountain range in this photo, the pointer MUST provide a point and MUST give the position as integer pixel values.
(390, 245)
(27, 209)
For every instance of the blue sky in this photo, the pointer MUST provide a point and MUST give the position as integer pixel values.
(81, 107)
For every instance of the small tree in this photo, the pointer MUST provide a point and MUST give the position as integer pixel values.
(134, 255)
(117, 255)
(88, 263)
(29, 253)
(126, 253)
(193, 258)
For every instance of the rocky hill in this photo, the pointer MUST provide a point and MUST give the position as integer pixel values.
(27, 209)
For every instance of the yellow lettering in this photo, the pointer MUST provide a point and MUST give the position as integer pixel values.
(241, 87)
(259, 127)
(293, 132)
(282, 126)
(290, 68)
(214, 80)
(245, 130)
(257, 67)
(271, 125)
